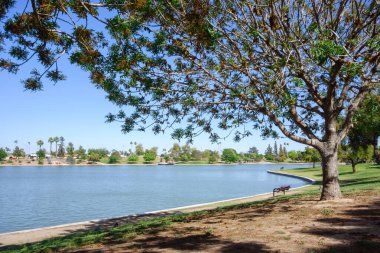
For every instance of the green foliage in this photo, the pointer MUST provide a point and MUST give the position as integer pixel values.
(269, 157)
(100, 152)
(311, 155)
(70, 149)
(18, 152)
(269, 154)
(366, 130)
(294, 155)
(149, 156)
(114, 157)
(139, 149)
(229, 155)
(324, 49)
(133, 158)
(213, 157)
(94, 157)
(355, 154)
(253, 150)
(200, 62)
(41, 154)
(3, 154)
(40, 143)
(61, 150)
(81, 153)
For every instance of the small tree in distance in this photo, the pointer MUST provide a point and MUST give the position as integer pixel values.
(133, 158)
(3, 154)
(70, 149)
(149, 156)
(40, 143)
(229, 155)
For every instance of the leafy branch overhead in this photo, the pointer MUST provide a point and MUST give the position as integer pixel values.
(296, 63)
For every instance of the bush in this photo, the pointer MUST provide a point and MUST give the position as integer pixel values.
(70, 160)
(41, 154)
(269, 157)
(40, 161)
(94, 157)
(133, 158)
(149, 156)
(113, 159)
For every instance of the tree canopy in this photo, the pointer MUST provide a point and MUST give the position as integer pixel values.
(294, 65)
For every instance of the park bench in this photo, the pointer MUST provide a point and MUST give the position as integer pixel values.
(281, 189)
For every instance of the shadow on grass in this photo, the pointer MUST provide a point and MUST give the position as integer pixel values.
(358, 231)
(362, 181)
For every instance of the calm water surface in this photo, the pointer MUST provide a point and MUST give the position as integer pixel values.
(33, 197)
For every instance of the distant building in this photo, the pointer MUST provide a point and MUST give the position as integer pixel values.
(32, 156)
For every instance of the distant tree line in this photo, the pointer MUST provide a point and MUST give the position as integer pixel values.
(361, 145)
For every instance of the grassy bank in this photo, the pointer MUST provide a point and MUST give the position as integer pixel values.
(366, 179)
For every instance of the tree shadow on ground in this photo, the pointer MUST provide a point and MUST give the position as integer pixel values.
(357, 231)
(190, 239)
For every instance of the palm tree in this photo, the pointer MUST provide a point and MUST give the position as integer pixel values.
(51, 140)
(56, 140)
(29, 146)
(40, 143)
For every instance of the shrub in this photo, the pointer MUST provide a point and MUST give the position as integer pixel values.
(149, 156)
(41, 154)
(40, 161)
(133, 158)
(70, 160)
(113, 159)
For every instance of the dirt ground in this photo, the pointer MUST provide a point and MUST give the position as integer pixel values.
(347, 225)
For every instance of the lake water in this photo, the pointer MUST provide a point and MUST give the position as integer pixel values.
(33, 197)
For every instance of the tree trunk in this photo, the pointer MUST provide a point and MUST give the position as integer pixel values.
(330, 183)
(353, 163)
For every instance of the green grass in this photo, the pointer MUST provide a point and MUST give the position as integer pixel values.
(367, 178)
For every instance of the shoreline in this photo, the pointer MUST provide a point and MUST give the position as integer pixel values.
(143, 164)
(39, 234)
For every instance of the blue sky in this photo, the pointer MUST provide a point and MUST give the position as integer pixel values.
(76, 110)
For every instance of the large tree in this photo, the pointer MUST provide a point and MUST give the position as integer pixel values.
(290, 65)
